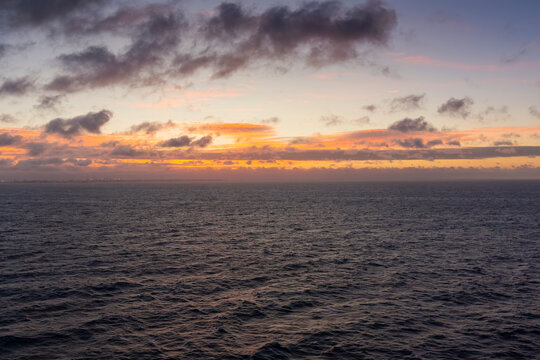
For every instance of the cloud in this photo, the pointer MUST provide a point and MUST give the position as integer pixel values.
(151, 128)
(272, 120)
(301, 140)
(417, 143)
(163, 44)
(533, 110)
(362, 121)
(185, 141)
(457, 107)
(140, 65)
(407, 103)
(234, 129)
(6, 139)
(181, 141)
(3, 50)
(453, 143)
(6, 118)
(36, 148)
(126, 151)
(332, 120)
(91, 123)
(16, 87)
(493, 114)
(38, 12)
(370, 108)
(202, 142)
(412, 125)
(318, 33)
(49, 102)
(503, 143)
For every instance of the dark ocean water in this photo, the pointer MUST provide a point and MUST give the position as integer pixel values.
(270, 271)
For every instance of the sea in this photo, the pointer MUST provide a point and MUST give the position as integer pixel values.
(163, 270)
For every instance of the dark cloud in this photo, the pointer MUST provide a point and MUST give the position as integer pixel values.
(453, 143)
(91, 123)
(38, 12)
(533, 110)
(457, 107)
(301, 140)
(40, 162)
(6, 118)
(370, 108)
(332, 120)
(126, 151)
(3, 50)
(151, 128)
(185, 141)
(6, 139)
(36, 148)
(503, 143)
(203, 141)
(49, 102)
(319, 33)
(181, 141)
(412, 125)
(16, 87)
(417, 143)
(407, 103)
(140, 65)
(162, 43)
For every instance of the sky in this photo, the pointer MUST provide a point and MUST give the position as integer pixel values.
(269, 90)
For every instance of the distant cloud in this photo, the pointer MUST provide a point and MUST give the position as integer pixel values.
(454, 143)
(370, 108)
(407, 103)
(185, 141)
(49, 102)
(503, 143)
(332, 120)
(362, 120)
(203, 141)
(6, 118)
(457, 107)
(181, 141)
(91, 122)
(6, 139)
(151, 128)
(16, 87)
(272, 120)
(533, 110)
(515, 56)
(492, 114)
(126, 151)
(36, 148)
(417, 143)
(412, 125)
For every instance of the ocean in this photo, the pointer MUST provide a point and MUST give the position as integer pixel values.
(419, 270)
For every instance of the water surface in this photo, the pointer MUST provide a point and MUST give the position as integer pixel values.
(270, 271)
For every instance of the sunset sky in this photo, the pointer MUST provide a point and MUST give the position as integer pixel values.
(269, 90)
